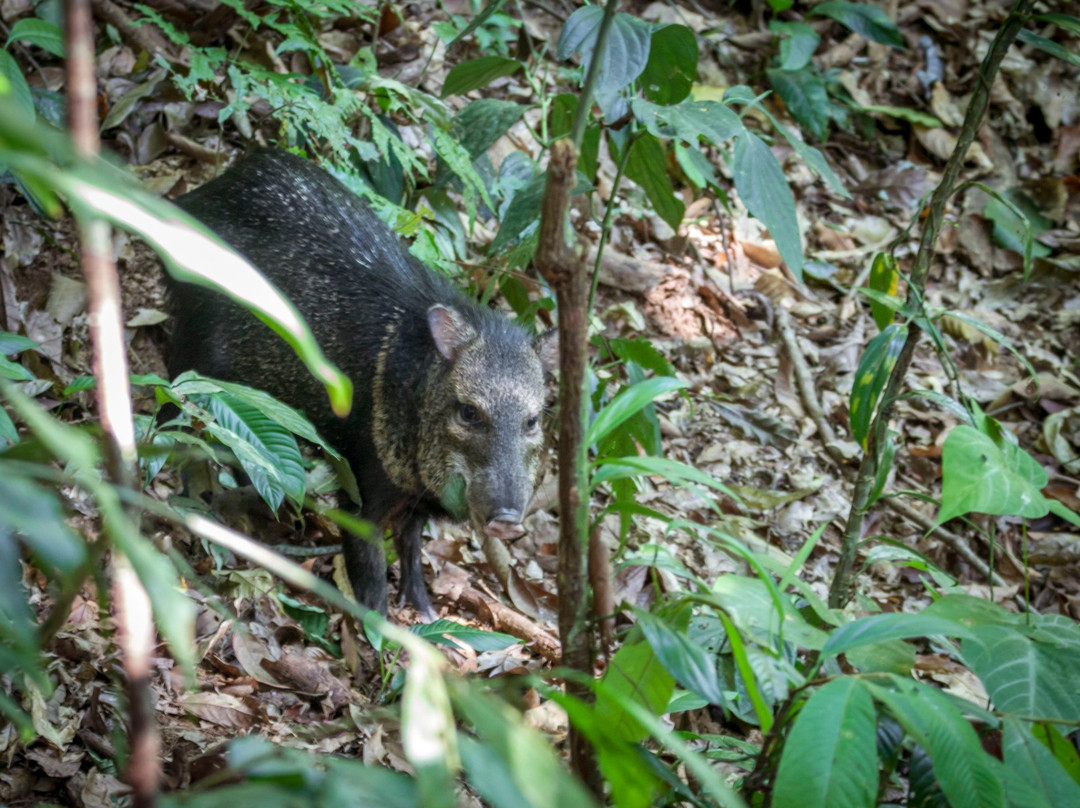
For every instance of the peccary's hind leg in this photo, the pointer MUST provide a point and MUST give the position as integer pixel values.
(407, 540)
(366, 564)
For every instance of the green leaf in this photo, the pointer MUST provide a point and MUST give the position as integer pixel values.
(803, 92)
(880, 628)
(761, 184)
(14, 371)
(40, 33)
(621, 468)
(267, 451)
(672, 67)
(906, 114)
(476, 73)
(13, 84)
(1016, 223)
(683, 658)
(480, 123)
(866, 19)
(8, 432)
(830, 757)
(35, 514)
(1023, 675)
(647, 166)
(641, 352)
(440, 631)
(11, 344)
(1063, 21)
(811, 156)
(967, 774)
(797, 44)
(1049, 46)
(1033, 776)
(690, 120)
(627, 51)
(885, 279)
(871, 377)
(527, 758)
(629, 401)
(986, 476)
(635, 674)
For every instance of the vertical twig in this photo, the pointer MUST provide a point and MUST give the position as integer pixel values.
(114, 407)
(840, 591)
(565, 270)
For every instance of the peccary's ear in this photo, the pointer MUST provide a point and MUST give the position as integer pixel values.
(547, 348)
(450, 330)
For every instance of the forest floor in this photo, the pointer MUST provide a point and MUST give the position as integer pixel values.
(716, 301)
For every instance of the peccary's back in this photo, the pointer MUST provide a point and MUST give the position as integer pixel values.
(351, 278)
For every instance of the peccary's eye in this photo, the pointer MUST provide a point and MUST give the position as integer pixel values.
(469, 414)
(532, 422)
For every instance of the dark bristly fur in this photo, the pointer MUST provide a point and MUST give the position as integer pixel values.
(447, 393)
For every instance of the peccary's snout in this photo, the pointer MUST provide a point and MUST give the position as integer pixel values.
(505, 525)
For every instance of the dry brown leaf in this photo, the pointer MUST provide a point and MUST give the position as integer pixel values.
(224, 710)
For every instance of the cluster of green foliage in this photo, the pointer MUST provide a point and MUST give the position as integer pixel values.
(841, 716)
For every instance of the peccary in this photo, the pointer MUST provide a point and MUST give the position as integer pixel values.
(448, 394)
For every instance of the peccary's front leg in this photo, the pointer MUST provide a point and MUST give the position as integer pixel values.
(366, 564)
(407, 540)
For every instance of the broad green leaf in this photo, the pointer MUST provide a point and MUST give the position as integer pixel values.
(647, 166)
(642, 352)
(14, 371)
(690, 120)
(871, 377)
(11, 344)
(527, 758)
(524, 211)
(761, 184)
(13, 84)
(629, 401)
(672, 67)
(803, 92)
(811, 156)
(880, 628)
(635, 674)
(627, 50)
(191, 383)
(982, 475)
(1060, 747)
(884, 279)
(1025, 676)
(476, 73)
(40, 33)
(267, 451)
(479, 639)
(1049, 46)
(797, 44)
(1033, 776)
(967, 774)
(1016, 223)
(34, 513)
(483, 121)
(830, 756)
(866, 19)
(753, 608)
(684, 659)
(8, 432)
(18, 624)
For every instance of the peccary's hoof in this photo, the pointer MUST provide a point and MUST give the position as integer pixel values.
(504, 530)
